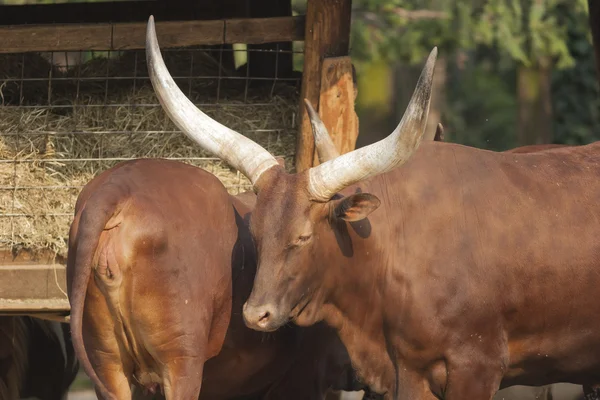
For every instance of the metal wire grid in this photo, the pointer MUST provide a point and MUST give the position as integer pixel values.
(60, 125)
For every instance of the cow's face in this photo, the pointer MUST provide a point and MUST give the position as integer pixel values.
(293, 237)
(285, 226)
(294, 213)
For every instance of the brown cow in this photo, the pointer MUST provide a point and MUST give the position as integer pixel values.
(469, 270)
(36, 359)
(169, 233)
(558, 391)
(160, 237)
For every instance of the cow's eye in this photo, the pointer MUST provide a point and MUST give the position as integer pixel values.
(302, 239)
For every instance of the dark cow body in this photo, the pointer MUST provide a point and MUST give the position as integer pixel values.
(176, 252)
(36, 359)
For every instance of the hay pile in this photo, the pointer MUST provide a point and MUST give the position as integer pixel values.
(49, 147)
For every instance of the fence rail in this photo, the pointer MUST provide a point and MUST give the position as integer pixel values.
(130, 36)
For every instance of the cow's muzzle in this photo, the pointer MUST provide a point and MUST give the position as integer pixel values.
(264, 317)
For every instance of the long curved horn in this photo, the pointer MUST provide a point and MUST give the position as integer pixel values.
(327, 179)
(325, 147)
(235, 149)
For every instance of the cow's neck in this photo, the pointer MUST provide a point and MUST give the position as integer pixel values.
(354, 306)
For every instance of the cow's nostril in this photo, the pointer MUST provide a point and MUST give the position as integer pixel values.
(264, 317)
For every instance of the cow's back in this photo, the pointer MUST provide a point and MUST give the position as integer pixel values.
(506, 228)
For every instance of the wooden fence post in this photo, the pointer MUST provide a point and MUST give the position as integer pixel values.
(336, 104)
(327, 35)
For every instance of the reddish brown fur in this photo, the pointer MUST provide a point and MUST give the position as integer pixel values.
(167, 241)
(535, 148)
(518, 310)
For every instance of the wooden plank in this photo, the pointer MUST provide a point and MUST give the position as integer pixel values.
(32, 282)
(17, 38)
(169, 34)
(124, 36)
(62, 316)
(36, 290)
(24, 256)
(33, 306)
(327, 34)
(264, 30)
(336, 104)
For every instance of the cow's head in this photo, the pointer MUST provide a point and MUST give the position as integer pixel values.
(293, 212)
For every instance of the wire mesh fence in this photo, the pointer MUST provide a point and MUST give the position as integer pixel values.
(65, 117)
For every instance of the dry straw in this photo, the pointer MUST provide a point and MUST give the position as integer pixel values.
(43, 149)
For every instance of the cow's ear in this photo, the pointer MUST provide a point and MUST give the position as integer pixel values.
(355, 207)
(280, 161)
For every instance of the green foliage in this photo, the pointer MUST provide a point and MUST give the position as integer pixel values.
(481, 106)
(381, 30)
(495, 36)
(525, 30)
(575, 94)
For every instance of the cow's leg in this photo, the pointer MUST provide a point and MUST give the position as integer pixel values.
(411, 386)
(183, 378)
(109, 358)
(116, 383)
(473, 380)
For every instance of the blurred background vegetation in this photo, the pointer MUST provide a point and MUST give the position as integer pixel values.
(509, 72)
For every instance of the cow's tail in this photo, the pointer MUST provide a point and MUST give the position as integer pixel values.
(96, 213)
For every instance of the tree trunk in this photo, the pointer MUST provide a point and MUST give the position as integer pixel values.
(594, 7)
(534, 117)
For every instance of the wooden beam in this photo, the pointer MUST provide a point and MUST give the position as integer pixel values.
(336, 104)
(264, 30)
(16, 39)
(63, 316)
(122, 36)
(34, 306)
(327, 35)
(38, 290)
(32, 282)
(24, 256)
(170, 34)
